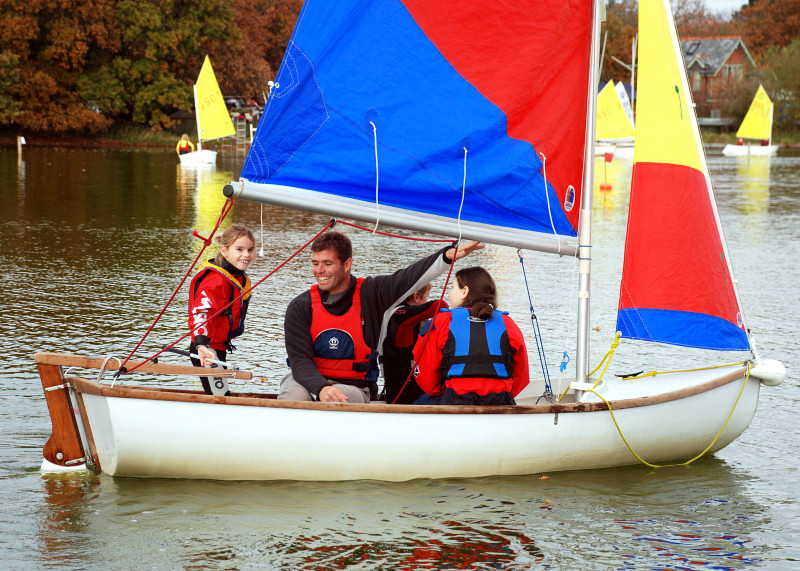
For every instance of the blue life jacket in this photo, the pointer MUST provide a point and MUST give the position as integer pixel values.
(477, 348)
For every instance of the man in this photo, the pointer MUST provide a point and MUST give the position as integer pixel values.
(332, 331)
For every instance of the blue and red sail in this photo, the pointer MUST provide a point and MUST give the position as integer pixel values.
(505, 80)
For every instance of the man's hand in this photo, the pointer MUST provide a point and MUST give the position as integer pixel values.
(332, 394)
(463, 250)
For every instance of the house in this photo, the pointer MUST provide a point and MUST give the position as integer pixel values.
(712, 64)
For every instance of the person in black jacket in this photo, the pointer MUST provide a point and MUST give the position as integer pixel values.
(332, 330)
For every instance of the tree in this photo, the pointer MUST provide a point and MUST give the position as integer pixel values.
(783, 83)
(768, 23)
(50, 41)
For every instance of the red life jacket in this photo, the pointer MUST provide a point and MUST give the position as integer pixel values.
(340, 351)
(235, 314)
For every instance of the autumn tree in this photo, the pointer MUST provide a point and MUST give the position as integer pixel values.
(81, 62)
(162, 47)
(44, 46)
(768, 23)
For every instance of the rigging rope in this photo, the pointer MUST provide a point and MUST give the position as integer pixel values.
(645, 462)
(226, 208)
(537, 334)
(547, 200)
(377, 173)
(237, 298)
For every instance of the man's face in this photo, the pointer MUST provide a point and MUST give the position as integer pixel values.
(332, 275)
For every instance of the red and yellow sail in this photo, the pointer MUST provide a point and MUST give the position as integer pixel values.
(677, 284)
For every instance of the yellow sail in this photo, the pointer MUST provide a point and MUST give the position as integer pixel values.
(757, 123)
(213, 119)
(612, 120)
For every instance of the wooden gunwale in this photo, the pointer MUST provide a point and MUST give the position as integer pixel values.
(269, 400)
(87, 362)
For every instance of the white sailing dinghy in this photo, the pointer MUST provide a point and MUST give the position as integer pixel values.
(615, 127)
(352, 98)
(756, 126)
(213, 118)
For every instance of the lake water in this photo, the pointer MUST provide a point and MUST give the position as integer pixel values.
(95, 242)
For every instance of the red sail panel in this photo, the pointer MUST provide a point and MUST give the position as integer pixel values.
(545, 49)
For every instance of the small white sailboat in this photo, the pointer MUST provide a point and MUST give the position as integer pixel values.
(213, 119)
(346, 97)
(756, 126)
(615, 125)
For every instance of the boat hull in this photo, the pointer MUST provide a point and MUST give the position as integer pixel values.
(198, 158)
(151, 433)
(747, 150)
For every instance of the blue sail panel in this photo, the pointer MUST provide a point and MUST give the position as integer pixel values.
(364, 70)
(682, 328)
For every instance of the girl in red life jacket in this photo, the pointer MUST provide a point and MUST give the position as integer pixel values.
(473, 354)
(219, 283)
(184, 145)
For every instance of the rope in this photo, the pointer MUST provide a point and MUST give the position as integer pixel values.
(239, 297)
(548, 389)
(463, 193)
(226, 208)
(646, 463)
(425, 337)
(377, 173)
(547, 199)
(448, 240)
(447, 281)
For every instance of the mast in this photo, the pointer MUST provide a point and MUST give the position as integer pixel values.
(197, 118)
(585, 226)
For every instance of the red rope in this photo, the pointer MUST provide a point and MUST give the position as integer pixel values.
(226, 208)
(239, 297)
(395, 235)
(430, 330)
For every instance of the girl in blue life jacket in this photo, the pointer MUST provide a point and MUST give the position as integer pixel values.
(473, 353)
(218, 283)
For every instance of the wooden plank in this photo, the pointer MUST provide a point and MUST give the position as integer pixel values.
(89, 362)
(64, 444)
(87, 430)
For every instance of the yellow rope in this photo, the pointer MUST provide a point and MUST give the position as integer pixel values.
(654, 373)
(741, 390)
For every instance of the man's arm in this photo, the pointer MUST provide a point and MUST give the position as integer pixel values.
(299, 345)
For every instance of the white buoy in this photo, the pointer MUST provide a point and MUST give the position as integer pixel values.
(769, 371)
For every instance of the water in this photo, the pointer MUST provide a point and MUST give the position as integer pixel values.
(96, 241)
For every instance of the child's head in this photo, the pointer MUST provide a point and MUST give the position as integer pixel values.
(237, 246)
(184, 137)
(474, 287)
(418, 297)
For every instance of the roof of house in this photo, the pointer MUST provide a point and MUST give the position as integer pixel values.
(708, 55)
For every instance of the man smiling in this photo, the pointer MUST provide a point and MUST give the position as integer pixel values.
(332, 330)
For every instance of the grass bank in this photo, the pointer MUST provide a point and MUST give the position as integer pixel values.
(119, 135)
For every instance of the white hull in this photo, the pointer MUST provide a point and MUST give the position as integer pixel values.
(199, 158)
(749, 150)
(151, 433)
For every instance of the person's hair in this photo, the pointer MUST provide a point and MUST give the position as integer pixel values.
(335, 241)
(229, 236)
(184, 136)
(422, 291)
(482, 295)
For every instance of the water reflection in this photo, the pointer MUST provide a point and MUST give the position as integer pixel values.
(689, 518)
